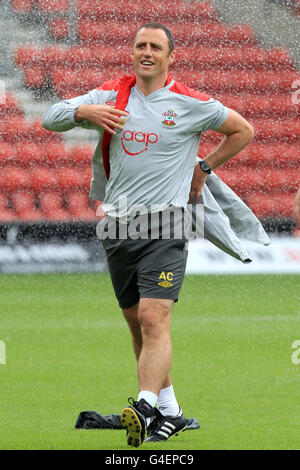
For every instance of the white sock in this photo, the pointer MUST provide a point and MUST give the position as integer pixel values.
(150, 398)
(167, 403)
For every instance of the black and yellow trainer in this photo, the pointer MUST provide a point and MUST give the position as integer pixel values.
(162, 427)
(133, 418)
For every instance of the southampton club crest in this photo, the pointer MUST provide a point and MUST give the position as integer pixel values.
(169, 118)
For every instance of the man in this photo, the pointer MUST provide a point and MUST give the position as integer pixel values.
(150, 160)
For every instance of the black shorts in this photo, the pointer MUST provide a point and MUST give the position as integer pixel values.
(151, 268)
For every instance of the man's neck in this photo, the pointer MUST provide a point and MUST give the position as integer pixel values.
(149, 86)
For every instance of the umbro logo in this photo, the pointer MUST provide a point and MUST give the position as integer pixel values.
(164, 284)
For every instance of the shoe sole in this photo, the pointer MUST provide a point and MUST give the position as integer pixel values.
(131, 422)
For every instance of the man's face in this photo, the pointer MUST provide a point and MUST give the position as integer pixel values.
(151, 53)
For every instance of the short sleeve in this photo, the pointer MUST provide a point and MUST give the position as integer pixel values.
(209, 114)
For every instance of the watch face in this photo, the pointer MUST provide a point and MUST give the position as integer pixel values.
(205, 167)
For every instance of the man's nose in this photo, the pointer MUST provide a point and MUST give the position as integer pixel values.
(147, 50)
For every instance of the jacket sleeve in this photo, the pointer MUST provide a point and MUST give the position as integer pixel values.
(60, 117)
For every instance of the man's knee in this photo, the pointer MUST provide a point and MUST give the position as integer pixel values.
(154, 316)
(131, 316)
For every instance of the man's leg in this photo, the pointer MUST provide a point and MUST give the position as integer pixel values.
(166, 403)
(131, 315)
(154, 361)
(149, 322)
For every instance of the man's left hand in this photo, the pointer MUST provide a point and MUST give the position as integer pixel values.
(197, 184)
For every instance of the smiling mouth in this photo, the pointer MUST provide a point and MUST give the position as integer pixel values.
(145, 63)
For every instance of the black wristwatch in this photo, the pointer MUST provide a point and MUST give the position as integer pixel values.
(205, 167)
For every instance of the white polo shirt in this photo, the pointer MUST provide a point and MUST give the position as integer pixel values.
(152, 158)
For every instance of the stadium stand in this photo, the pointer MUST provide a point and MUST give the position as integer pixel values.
(6, 214)
(226, 61)
(52, 206)
(24, 206)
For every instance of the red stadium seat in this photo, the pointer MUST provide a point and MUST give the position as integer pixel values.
(22, 6)
(118, 32)
(99, 55)
(274, 155)
(79, 208)
(12, 179)
(278, 180)
(86, 176)
(29, 154)
(54, 56)
(35, 77)
(276, 81)
(81, 155)
(69, 178)
(9, 106)
(237, 80)
(52, 207)
(241, 34)
(78, 82)
(56, 155)
(275, 205)
(38, 134)
(53, 6)
(42, 179)
(224, 56)
(280, 57)
(205, 148)
(292, 179)
(7, 154)
(13, 129)
(79, 56)
(28, 56)
(24, 207)
(93, 32)
(59, 28)
(145, 11)
(287, 130)
(217, 81)
(6, 215)
(241, 179)
(255, 105)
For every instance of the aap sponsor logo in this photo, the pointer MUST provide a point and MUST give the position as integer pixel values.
(143, 140)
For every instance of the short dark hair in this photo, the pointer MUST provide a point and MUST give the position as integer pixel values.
(164, 28)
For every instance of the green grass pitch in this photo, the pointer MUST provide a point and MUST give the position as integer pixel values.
(68, 350)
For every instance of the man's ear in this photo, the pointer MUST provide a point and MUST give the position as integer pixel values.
(172, 57)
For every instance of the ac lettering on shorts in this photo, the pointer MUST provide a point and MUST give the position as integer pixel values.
(139, 137)
(164, 279)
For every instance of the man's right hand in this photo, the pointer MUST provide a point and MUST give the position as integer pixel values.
(104, 116)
